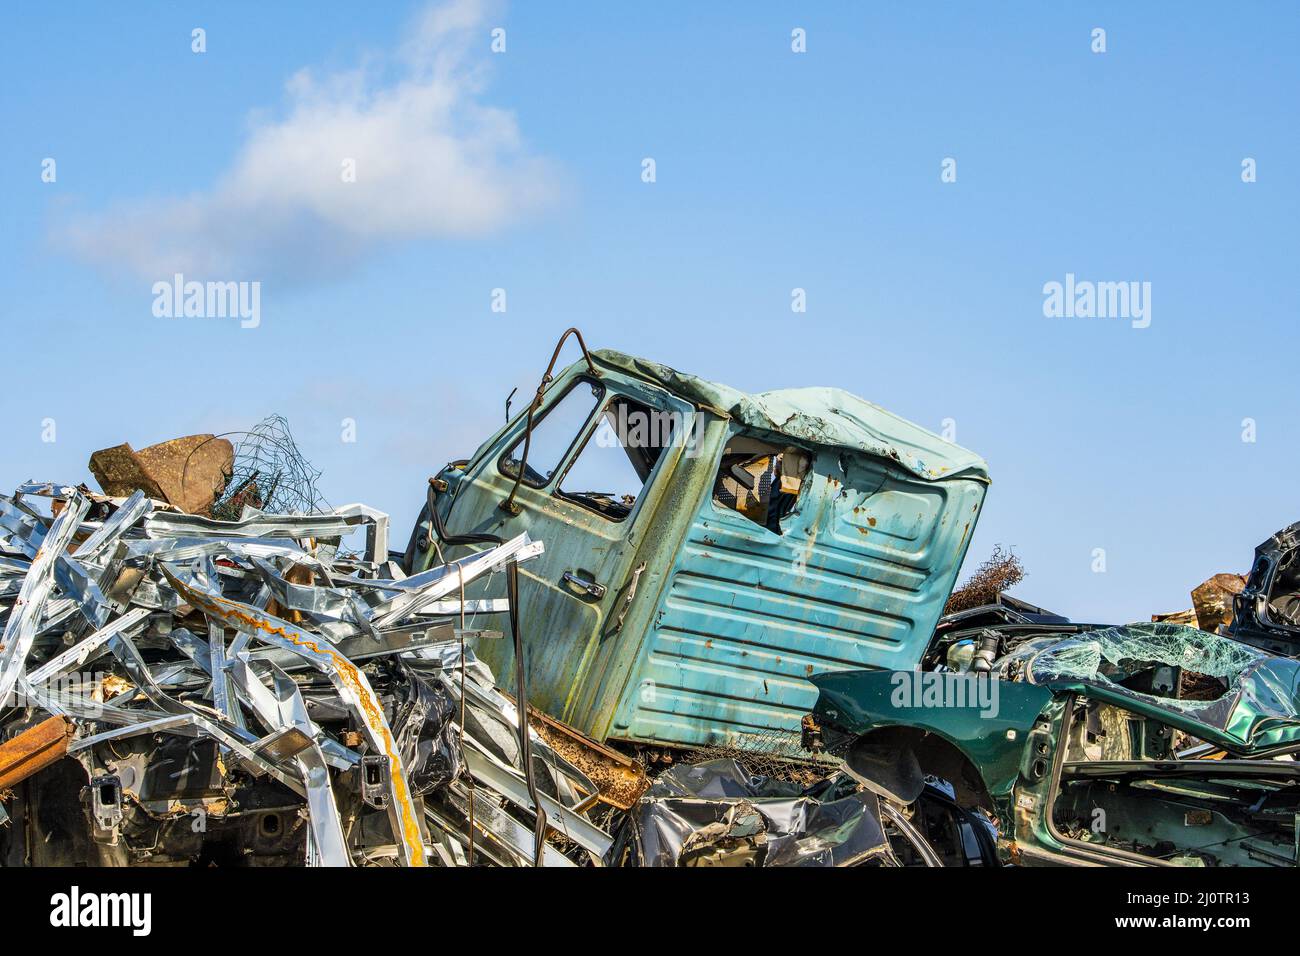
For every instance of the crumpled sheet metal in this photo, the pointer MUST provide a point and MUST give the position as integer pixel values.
(137, 579)
(352, 687)
(823, 416)
(25, 616)
(716, 814)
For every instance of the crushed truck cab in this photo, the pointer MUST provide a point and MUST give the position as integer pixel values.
(706, 550)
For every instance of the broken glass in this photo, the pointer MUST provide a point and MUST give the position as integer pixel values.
(1256, 698)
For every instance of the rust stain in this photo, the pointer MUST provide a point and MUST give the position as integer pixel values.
(33, 750)
(352, 678)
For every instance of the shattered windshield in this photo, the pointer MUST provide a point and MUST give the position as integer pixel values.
(1210, 679)
(1117, 654)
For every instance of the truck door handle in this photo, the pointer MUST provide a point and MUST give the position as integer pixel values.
(588, 587)
(627, 601)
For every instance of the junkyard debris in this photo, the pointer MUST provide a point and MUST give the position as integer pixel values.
(188, 473)
(270, 473)
(362, 731)
(1212, 601)
(717, 814)
(32, 750)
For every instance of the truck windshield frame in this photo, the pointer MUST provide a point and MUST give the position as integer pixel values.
(506, 464)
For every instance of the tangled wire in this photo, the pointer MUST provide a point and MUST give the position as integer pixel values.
(769, 753)
(269, 474)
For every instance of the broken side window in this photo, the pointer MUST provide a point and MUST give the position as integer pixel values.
(553, 434)
(1119, 791)
(1101, 731)
(614, 465)
(759, 480)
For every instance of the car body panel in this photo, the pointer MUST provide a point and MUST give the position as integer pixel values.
(1264, 612)
(859, 702)
(1019, 750)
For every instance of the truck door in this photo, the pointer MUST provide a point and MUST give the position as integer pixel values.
(600, 452)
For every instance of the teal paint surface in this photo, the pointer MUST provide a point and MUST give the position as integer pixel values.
(857, 578)
(728, 619)
(829, 417)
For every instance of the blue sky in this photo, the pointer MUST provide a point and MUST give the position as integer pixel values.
(774, 170)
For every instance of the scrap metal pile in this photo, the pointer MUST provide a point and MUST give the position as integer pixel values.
(188, 677)
(248, 691)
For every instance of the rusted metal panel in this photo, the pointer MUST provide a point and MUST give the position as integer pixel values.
(619, 779)
(33, 750)
(186, 472)
(857, 577)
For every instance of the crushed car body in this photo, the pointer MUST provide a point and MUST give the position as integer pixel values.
(1087, 745)
(1266, 611)
(653, 621)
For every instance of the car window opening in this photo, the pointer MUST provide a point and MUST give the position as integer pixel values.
(553, 435)
(613, 466)
(760, 481)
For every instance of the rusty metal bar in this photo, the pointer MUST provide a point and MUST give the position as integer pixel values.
(33, 750)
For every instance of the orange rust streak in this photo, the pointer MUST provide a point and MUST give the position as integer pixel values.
(348, 673)
(33, 750)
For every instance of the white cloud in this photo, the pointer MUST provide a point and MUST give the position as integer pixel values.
(432, 161)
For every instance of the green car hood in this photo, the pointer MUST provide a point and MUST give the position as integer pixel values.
(1258, 712)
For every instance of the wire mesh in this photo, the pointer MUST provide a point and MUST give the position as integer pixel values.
(270, 474)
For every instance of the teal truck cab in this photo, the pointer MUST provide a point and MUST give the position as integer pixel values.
(706, 550)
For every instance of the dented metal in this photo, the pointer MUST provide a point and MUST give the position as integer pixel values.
(146, 630)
